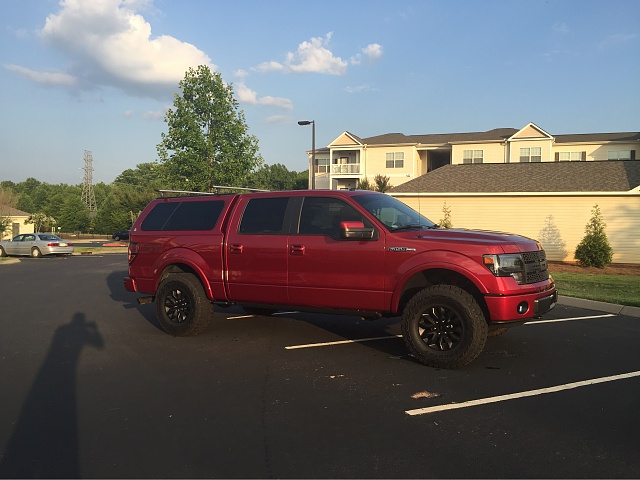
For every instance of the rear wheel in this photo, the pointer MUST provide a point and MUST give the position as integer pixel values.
(35, 252)
(443, 327)
(182, 307)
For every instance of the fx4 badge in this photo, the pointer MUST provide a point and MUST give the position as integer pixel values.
(401, 249)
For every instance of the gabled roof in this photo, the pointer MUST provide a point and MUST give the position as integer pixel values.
(529, 131)
(12, 212)
(605, 176)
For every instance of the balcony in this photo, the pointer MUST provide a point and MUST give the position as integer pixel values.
(346, 169)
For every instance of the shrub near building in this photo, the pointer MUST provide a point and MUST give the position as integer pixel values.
(594, 250)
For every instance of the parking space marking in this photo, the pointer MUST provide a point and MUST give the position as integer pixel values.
(555, 320)
(341, 342)
(529, 393)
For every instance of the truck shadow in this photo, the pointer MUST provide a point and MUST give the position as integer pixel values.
(44, 443)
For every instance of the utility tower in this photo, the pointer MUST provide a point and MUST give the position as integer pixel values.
(88, 196)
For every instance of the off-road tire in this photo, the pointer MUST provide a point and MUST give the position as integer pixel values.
(182, 307)
(36, 253)
(444, 327)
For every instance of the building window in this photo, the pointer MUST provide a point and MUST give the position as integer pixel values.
(571, 156)
(395, 160)
(322, 165)
(533, 154)
(622, 154)
(472, 156)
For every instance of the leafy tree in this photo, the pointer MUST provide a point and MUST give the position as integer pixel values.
(144, 175)
(207, 143)
(446, 221)
(74, 215)
(364, 184)
(382, 183)
(273, 177)
(121, 207)
(40, 221)
(594, 250)
(8, 200)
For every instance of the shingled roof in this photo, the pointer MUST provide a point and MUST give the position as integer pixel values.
(495, 135)
(605, 176)
(12, 212)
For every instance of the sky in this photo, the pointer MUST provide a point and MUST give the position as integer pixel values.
(99, 75)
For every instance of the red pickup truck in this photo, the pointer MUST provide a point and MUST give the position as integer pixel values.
(353, 252)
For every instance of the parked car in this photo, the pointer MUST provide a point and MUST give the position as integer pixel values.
(35, 245)
(121, 235)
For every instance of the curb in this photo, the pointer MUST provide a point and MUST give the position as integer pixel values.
(600, 306)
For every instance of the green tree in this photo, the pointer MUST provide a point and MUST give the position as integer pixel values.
(207, 143)
(594, 250)
(41, 222)
(74, 215)
(382, 183)
(144, 175)
(364, 184)
(8, 200)
(272, 177)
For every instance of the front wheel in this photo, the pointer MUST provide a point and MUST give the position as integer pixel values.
(182, 307)
(2, 252)
(444, 327)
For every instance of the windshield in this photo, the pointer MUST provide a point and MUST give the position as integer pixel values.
(393, 213)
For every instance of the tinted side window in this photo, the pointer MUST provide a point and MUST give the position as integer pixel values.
(264, 216)
(183, 216)
(322, 216)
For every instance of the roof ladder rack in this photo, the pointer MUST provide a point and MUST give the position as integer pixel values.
(215, 192)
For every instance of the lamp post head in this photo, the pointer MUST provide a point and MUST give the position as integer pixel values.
(305, 122)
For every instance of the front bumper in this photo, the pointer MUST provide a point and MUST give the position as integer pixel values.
(520, 307)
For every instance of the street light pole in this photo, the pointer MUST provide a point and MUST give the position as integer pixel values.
(312, 167)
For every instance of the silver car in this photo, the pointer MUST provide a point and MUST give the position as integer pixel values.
(35, 245)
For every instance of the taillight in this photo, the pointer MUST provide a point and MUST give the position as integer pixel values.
(53, 244)
(134, 249)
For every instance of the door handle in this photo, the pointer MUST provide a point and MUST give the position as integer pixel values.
(296, 249)
(235, 248)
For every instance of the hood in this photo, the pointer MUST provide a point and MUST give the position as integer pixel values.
(508, 242)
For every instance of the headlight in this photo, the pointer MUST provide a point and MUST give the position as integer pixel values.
(509, 265)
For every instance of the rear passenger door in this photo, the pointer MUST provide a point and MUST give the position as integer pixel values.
(256, 250)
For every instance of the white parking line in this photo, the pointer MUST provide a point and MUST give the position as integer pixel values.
(359, 340)
(569, 319)
(341, 342)
(530, 393)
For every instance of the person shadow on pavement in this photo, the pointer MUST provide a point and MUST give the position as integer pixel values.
(44, 443)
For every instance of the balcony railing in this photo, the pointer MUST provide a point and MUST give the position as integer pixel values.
(347, 168)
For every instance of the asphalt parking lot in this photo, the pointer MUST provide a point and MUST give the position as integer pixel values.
(93, 388)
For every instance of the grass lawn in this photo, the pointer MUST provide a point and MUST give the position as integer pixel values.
(619, 289)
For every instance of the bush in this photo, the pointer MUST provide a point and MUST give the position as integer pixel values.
(594, 249)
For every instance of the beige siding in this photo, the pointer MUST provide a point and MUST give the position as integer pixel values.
(376, 164)
(557, 221)
(492, 152)
(545, 146)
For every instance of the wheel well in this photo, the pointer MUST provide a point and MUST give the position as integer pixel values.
(438, 276)
(178, 268)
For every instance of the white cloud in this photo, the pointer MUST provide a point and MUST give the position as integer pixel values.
(246, 95)
(361, 89)
(561, 28)
(110, 44)
(373, 51)
(154, 115)
(277, 119)
(616, 40)
(46, 78)
(312, 56)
